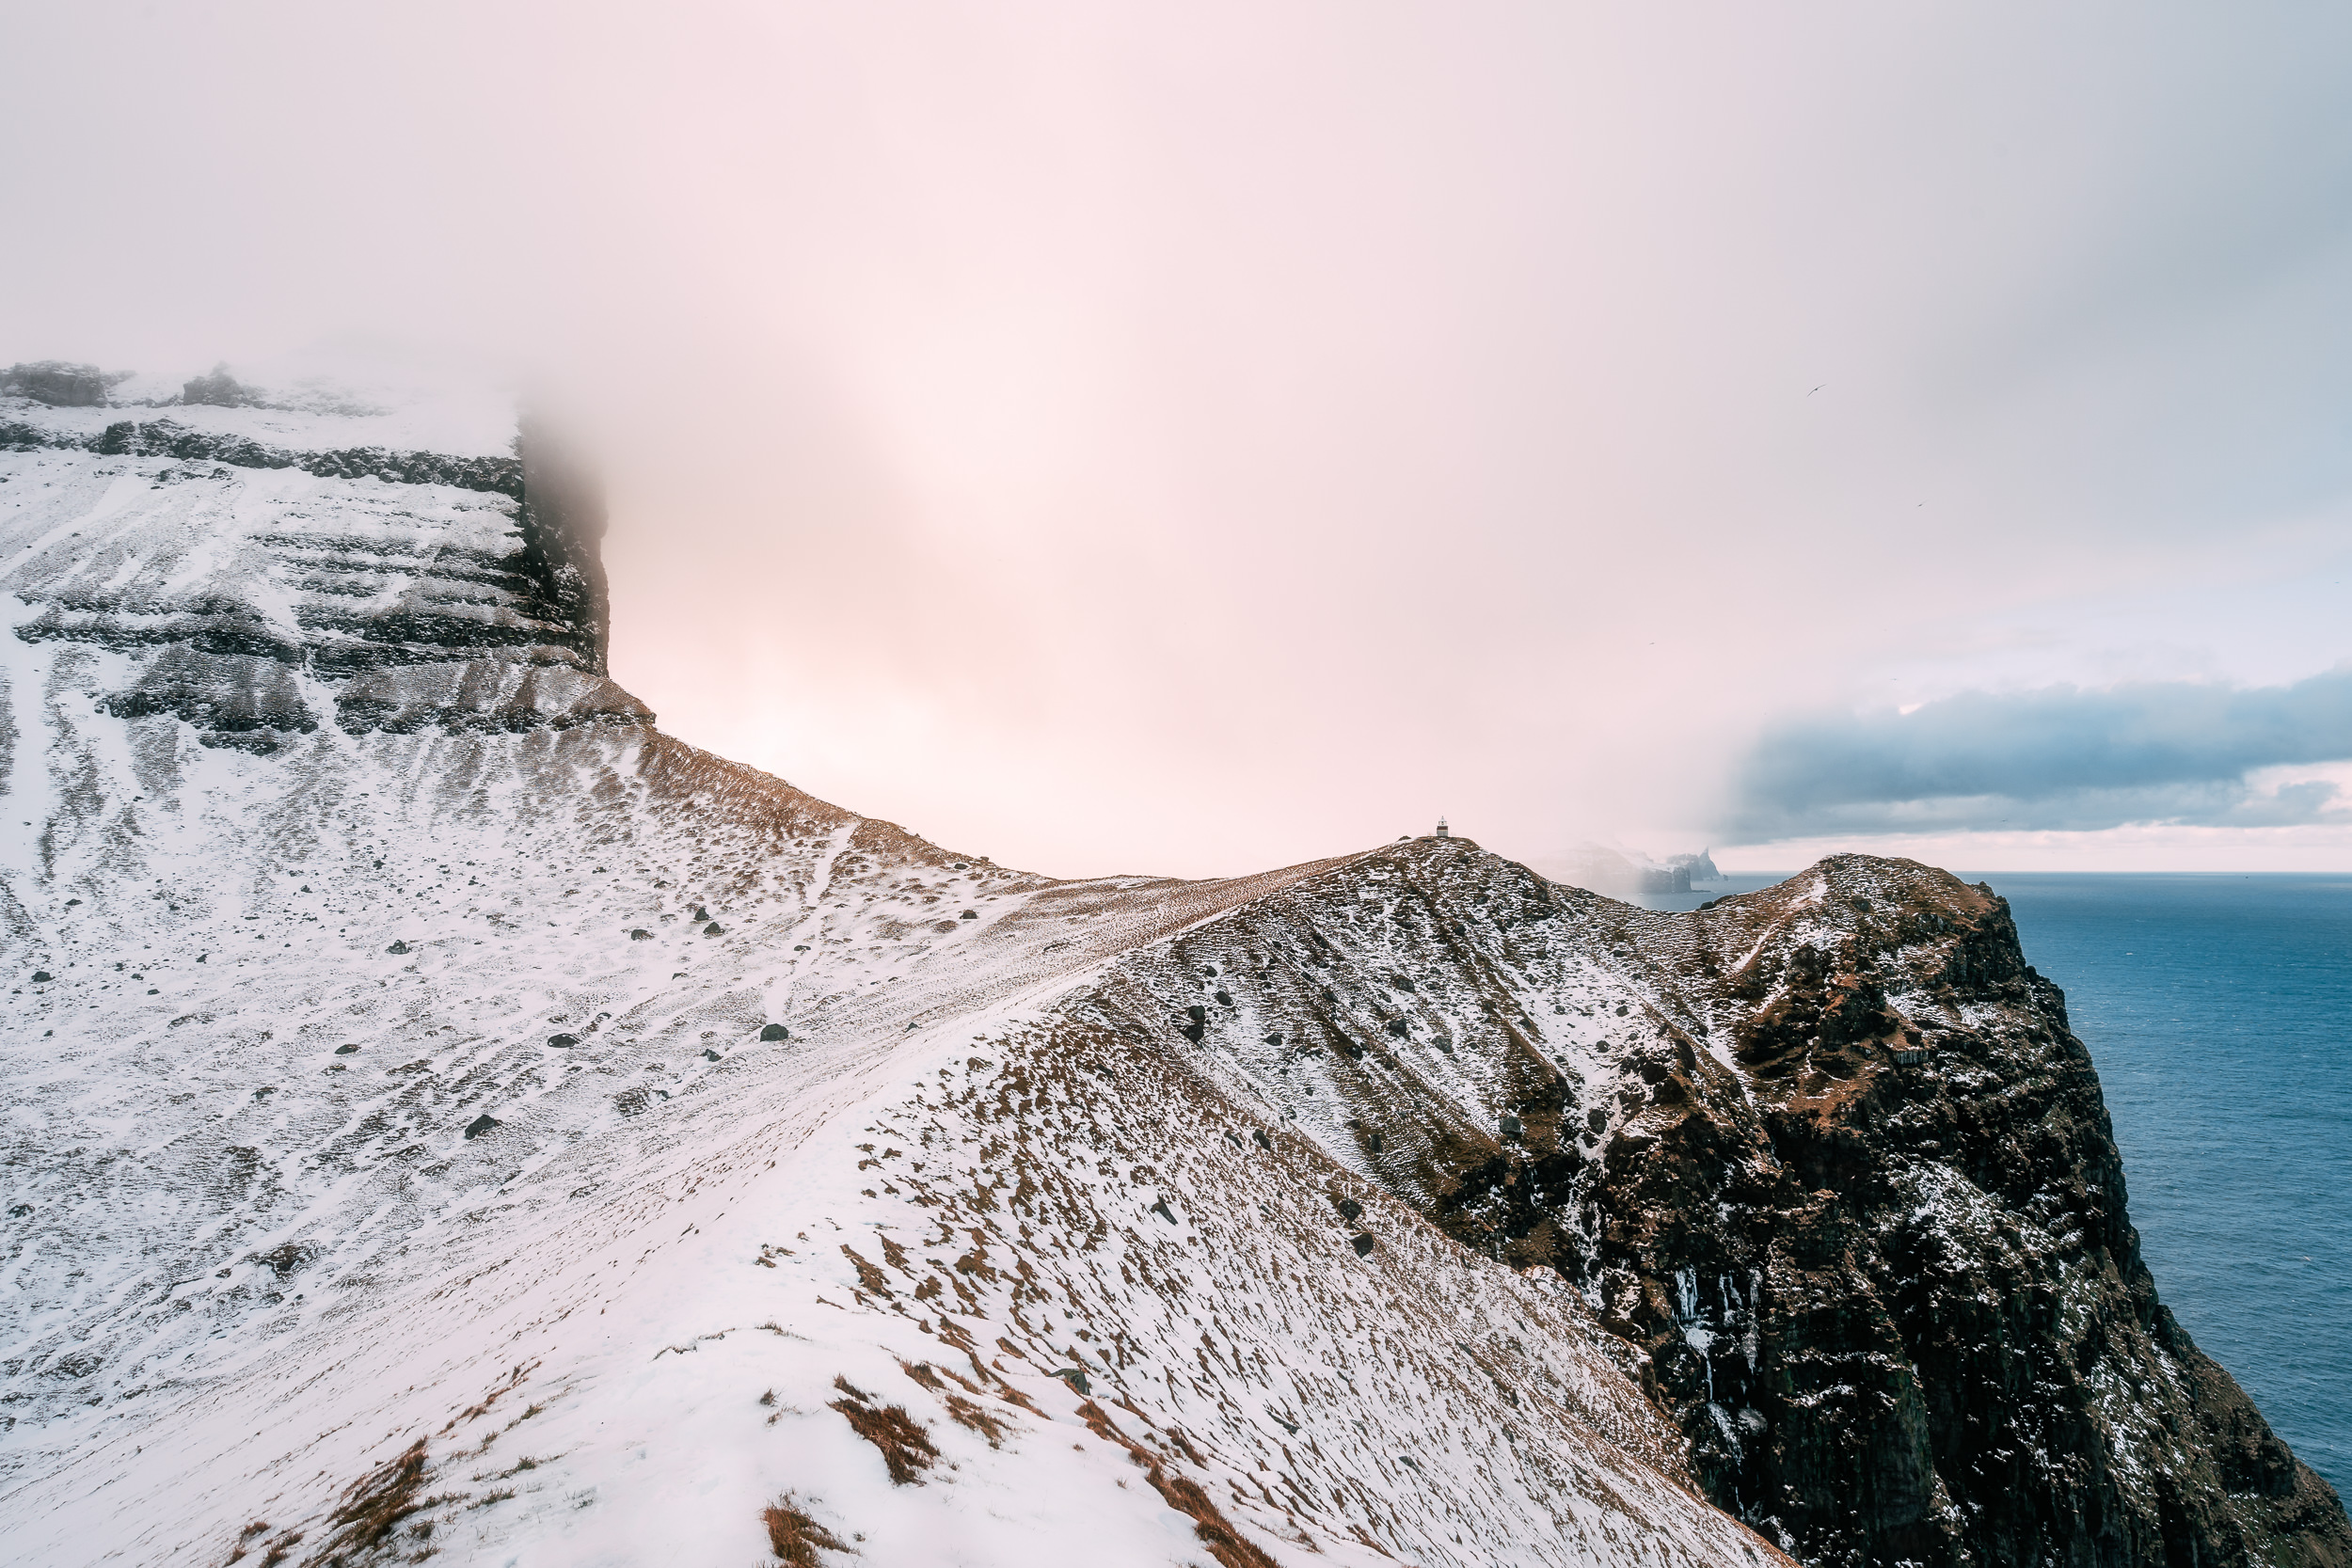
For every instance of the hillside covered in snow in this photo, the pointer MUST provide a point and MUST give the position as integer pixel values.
(447, 1116)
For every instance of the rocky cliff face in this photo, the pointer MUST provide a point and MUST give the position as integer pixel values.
(447, 1116)
(259, 587)
(1827, 1153)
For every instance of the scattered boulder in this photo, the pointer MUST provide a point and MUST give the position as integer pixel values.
(345, 1049)
(1511, 1126)
(220, 389)
(639, 934)
(1159, 1207)
(42, 977)
(1362, 1242)
(969, 915)
(563, 1042)
(1349, 1208)
(1257, 1135)
(482, 1124)
(1274, 1037)
(286, 1259)
(1225, 998)
(775, 1032)
(708, 1055)
(397, 949)
(714, 930)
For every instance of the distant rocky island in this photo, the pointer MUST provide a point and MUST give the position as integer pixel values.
(1628, 872)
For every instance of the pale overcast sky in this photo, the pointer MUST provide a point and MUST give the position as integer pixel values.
(1193, 438)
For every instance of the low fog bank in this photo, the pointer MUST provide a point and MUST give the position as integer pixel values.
(1112, 441)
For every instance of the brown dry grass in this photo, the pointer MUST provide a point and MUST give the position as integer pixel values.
(906, 1448)
(795, 1537)
(1225, 1543)
(376, 1504)
(977, 1419)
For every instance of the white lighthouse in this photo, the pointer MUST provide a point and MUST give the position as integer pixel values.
(1442, 830)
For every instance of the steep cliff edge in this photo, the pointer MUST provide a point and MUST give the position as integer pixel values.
(1828, 1154)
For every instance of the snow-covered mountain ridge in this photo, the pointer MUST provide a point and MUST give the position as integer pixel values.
(447, 1116)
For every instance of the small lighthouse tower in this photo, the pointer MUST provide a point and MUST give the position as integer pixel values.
(1443, 831)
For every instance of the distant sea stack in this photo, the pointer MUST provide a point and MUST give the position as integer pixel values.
(451, 1117)
(1625, 874)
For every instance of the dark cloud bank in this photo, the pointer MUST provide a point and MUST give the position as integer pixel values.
(2061, 757)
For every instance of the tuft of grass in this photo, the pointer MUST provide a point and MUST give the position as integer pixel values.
(906, 1448)
(795, 1537)
(768, 1397)
(1214, 1530)
(488, 1498)
(376, 1504)
(977, 1418)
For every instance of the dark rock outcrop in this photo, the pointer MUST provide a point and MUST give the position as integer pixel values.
(60, 385)
(410, 613)
(1901, 1310)
(1827, 1156)
(563, 518)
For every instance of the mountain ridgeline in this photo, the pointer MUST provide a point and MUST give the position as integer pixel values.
(1827, 1153)
(449, 1116)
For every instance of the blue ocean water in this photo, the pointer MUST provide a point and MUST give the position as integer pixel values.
(2218, 1010)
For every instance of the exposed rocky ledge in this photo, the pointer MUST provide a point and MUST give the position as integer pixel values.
(485, 696)
(1827, 1155)
(496, 604)
(164, 437)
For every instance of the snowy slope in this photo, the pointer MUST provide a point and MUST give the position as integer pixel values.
(386, 1068)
